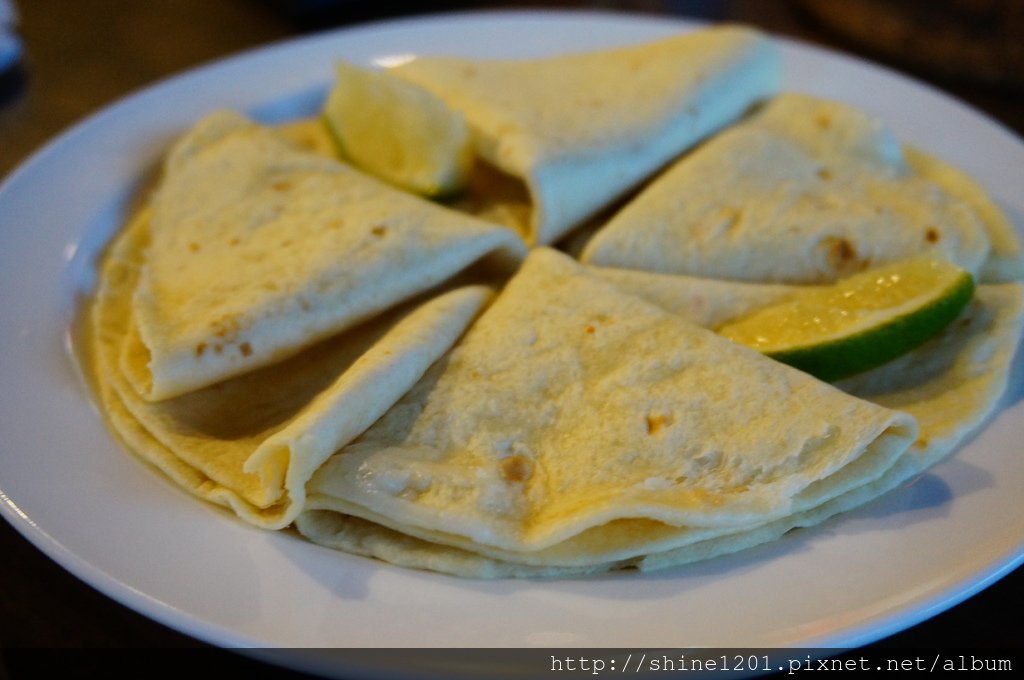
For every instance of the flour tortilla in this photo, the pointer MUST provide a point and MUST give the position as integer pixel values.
(950, 385)
(1005, 261)
(576, 426)
(581, 130)
(252, 442)
(259, 249)
(805, 191)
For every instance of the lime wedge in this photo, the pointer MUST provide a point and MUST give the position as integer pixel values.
(859, 322)
(398, 131)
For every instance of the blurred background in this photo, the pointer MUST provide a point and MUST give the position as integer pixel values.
(60, 61)
(79, 56)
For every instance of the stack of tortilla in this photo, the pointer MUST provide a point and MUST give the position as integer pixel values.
(287, 337)
(268, 305)
(600, 425)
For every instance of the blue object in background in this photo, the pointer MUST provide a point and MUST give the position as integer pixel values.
(10, 45)
(11, 78)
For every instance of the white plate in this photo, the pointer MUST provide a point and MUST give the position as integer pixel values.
(118, 525)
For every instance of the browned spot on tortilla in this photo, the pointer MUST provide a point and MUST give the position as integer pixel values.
(336, 223)
(823, 120)
(655, 423)
(246, 349)
(841, 254)
(379, 230)
(516, 468)
(194, 247)
(921, 443)
(281, 185)
(218, 349)
(200, 348)
(234, 241)
(932, 235)
(589, 329)
(824, 174)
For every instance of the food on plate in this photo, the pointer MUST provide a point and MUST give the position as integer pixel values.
(805, 191)
(251, 442)
(258, 249)
(286, 336)
(219, 272)
(578, 426)
(858, 322)
(1005, 260)
(581, 130)
(398, 131)
(950, 384)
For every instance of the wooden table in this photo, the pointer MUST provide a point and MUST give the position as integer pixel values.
(84, 54)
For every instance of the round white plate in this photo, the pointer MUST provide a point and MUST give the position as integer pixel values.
(118, 525)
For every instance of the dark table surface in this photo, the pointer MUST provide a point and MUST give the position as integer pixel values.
(82, 55)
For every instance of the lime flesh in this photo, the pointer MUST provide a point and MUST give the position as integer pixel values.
(398, 131)
(861, 322)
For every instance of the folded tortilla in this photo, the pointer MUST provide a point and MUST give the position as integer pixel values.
(575, 426)
(950, 385)
(581, 130)
(250, 443)
(258, 249)
(806, 191)
(1005, 259)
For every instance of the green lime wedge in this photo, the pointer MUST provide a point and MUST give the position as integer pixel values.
(859, 322)
(398, 131)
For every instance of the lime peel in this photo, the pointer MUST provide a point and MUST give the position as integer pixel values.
(861, 322)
